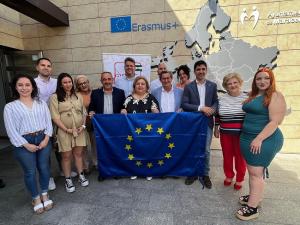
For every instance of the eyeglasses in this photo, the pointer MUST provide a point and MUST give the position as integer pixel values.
(83, 83)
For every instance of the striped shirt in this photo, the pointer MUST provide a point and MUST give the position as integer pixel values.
(230, 114)
(20, 120)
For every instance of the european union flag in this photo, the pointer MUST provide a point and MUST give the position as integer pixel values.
(156, 144)
(120, 24)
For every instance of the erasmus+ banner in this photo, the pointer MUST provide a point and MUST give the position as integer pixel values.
(153, 144)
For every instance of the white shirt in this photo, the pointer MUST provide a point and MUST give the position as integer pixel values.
(20, 120)
(46, 87)
(126, 84)
(167, 101)
(108, 104)
(201, 90)
(155, 84)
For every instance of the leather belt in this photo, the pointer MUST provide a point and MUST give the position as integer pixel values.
(35, 133)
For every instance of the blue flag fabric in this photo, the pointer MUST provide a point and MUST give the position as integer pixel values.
(155, 144)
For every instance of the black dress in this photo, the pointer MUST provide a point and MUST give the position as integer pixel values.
(145, 105)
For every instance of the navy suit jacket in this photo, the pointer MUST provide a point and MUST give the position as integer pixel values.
(177, 95)
(97, 100)
(191, 101)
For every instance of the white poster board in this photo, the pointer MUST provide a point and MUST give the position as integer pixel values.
(114, 63)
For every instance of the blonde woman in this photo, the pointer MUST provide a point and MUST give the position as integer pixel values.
(83, 88)
(229, 121)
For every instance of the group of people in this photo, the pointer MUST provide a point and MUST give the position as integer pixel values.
(45, 108)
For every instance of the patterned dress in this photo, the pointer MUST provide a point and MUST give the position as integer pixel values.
(145, 105)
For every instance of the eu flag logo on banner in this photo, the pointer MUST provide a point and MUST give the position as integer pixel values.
(156, 144)
(120, 24)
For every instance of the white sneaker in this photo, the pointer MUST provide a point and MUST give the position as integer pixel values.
(133, 177)
(149, 178)
(52, 185)
(83, 181)
(69, 185)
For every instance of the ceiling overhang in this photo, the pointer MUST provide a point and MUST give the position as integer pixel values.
(42, 11)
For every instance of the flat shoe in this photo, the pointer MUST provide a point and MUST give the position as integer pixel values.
(237, 186)
(227, 183)
(38, 209)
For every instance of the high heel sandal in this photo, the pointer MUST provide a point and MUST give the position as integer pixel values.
(247, 213)
(37, 208)
(48, 203)
(243, 200)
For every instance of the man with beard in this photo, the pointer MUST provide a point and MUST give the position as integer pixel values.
(106, 100)
(47, 86)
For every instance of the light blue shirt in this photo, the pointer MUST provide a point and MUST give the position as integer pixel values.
(20, 120)
(46, 88)
(125, 84)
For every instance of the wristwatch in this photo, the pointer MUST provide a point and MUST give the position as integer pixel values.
(83, 126)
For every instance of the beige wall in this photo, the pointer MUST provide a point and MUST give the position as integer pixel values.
(77, 49)
(10, 29)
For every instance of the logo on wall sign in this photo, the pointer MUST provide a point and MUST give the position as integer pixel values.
(254, 14)
(120, 24)
(124, 24)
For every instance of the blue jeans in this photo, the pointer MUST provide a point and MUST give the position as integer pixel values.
(207, 151)
(30, 161)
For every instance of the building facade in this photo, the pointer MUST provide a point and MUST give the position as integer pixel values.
(77, 48)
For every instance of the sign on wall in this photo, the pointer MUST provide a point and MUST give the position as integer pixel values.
(124, 24)
(114, 63)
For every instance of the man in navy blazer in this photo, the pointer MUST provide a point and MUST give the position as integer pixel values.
(201, 96)
(168, 96)
(106, 100)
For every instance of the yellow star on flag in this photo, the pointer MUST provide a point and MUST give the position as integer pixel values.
(149, 127)
(160, 162)
(128, 147)
(138, 163)
(168, 155)
(160, 130)
(149, 165)
(129, 138)
(130, 157)
(171, 145)
(168, 136)
(138, 130)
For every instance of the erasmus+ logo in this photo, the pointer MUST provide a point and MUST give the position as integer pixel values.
(123, 24)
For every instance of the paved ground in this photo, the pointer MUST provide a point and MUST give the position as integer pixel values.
(156, 202)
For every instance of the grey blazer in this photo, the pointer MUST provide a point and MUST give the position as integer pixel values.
(177, 94)
(191, 101)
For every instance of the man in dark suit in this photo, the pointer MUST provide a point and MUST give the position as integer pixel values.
(201, 96)
(106, 100)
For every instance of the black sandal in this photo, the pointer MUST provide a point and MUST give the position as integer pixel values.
(243, 200)
(247, 213)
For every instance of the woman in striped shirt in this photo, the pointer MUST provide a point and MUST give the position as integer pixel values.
(28, 124)
(228, 127)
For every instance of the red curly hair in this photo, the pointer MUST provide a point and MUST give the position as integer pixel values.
(268, 94)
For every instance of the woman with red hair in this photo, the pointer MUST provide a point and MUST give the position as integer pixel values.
(261, 138)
